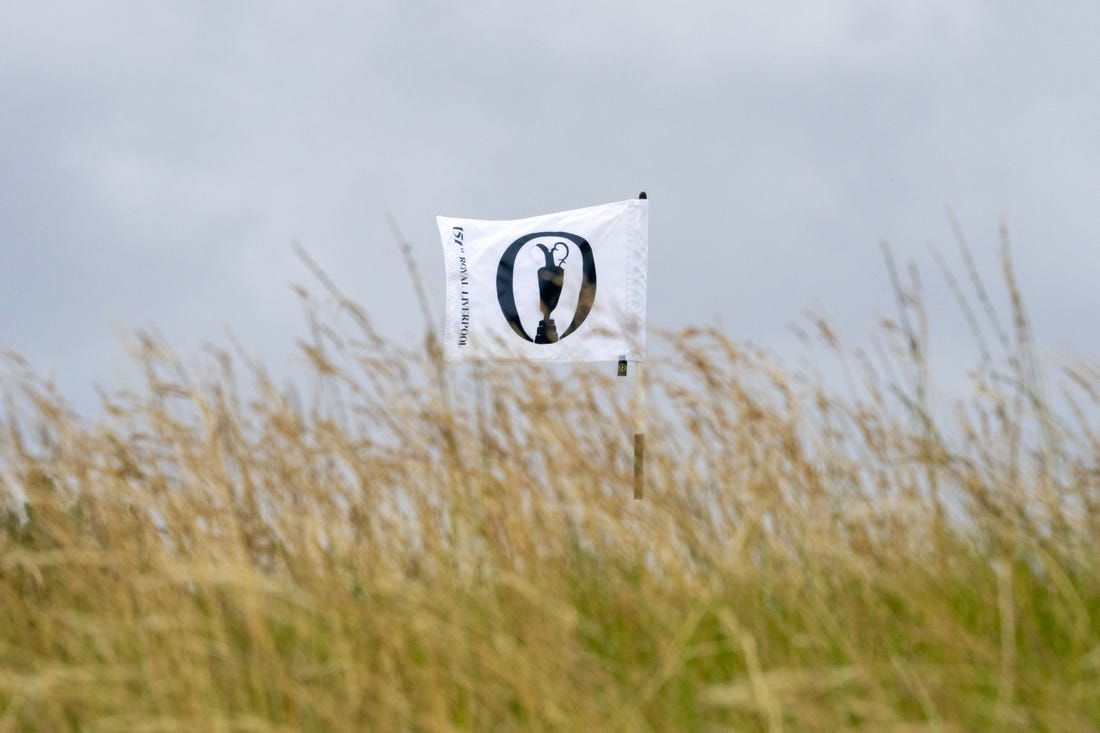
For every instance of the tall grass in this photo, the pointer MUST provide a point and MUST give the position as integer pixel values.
(418, 548)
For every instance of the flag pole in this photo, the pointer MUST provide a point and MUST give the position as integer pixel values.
(639, 423)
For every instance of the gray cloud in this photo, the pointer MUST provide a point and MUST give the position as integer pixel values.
(156, 162)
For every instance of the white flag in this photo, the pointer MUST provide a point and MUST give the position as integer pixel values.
(569, 286)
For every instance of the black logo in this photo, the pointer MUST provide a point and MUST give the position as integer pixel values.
(553, 249)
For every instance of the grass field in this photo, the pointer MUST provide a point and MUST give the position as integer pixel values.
(409, 547)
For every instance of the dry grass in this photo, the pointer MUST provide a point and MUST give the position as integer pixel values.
(418, 548)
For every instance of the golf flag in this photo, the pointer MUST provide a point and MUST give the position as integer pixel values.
(569, 286)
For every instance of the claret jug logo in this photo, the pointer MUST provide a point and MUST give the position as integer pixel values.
(543, 274)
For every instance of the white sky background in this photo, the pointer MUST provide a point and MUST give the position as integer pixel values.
(158, 159)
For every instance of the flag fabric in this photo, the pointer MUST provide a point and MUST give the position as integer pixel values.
(569, 286)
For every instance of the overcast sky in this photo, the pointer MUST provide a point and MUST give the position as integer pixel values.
(157, 160)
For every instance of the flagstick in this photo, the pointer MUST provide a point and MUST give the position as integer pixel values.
(639, 422)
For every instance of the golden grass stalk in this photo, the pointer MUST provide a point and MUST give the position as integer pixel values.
(418, 548)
